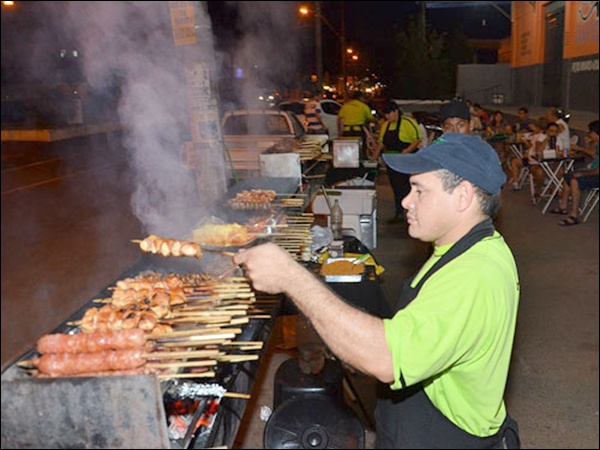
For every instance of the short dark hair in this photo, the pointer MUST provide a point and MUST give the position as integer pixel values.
(593, 126)
(390, 107)
(356, 95)
(525, 110)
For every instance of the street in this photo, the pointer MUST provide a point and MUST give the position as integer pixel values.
(66, 226)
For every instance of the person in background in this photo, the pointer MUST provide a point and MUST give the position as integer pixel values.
(529, 155)
(497, 133)
(446, 352)
(312, 113)
(553, 140)
(523, 121)
(547, 141)
(483, 115)
(574, 182)
(398, 134)
(353, 118)
(455, 117)
(498, 125)
(564, 135)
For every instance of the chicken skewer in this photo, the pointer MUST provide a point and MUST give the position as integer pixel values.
(169, 247)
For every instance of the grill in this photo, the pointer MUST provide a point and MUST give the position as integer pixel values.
(139, 411)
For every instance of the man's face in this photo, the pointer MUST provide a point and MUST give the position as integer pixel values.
(430, 210)
(456, 125)
(522, 115)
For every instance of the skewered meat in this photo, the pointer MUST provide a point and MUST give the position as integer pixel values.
(170, 247)
(74, 363)
(148, 321)
(253, 199)
(93, 342)
(130, 319)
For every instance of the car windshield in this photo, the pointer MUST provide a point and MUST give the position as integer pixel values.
(256, 124)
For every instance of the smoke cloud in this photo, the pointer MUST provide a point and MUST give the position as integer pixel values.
(131, 67)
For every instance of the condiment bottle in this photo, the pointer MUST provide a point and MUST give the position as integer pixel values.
(337, 220)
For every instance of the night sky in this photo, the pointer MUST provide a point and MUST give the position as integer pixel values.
(286, 37)
(372, 25)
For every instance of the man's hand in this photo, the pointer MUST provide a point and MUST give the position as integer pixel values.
(270, 268)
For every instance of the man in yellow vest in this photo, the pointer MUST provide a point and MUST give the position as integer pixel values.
(353, 117)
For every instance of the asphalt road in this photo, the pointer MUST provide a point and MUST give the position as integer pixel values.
(66, 223)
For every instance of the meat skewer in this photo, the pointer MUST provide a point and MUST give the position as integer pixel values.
(62, 364)
(92, 342)
(169, 247)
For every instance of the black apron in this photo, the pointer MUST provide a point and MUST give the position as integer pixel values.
(391, 139)
(407, 418)
(400, 182)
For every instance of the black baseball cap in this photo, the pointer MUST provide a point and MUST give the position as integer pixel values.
(455, 108)
(465, 155)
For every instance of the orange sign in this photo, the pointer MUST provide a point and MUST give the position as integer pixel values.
(527, 33)
(581, 29)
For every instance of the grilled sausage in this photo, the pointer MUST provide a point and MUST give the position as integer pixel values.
(91, 342)
(76, 363)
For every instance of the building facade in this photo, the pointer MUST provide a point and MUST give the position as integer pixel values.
(554, 54)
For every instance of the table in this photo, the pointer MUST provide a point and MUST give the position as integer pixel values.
(367, 294)
(554, 168)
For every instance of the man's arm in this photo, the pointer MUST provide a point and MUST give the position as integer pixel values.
(353, 335)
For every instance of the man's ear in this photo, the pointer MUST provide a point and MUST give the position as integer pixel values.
(465, 195)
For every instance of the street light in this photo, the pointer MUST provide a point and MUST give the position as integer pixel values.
(305, 10)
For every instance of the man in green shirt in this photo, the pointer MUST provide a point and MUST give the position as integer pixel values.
(445, 354)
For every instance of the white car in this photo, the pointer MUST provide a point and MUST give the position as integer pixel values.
(249, 132)
(329, 116)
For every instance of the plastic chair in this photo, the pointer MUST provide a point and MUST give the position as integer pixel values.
(590, 202)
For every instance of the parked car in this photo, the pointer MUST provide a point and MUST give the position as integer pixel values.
(329, 107)
(249, 132)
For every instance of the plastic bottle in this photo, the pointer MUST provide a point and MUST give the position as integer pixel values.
(337, 219)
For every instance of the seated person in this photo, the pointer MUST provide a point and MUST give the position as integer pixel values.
(523, 121)
(529, 144)
(497, 132)
(564, 134)
(574, 182)
(549, 141)
(482, 116)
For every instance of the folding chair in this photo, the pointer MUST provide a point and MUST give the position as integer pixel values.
(524, 173)
(590, 202)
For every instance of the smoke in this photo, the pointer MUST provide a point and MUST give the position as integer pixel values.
(127, 51)
(133, 71)
(267, 49)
